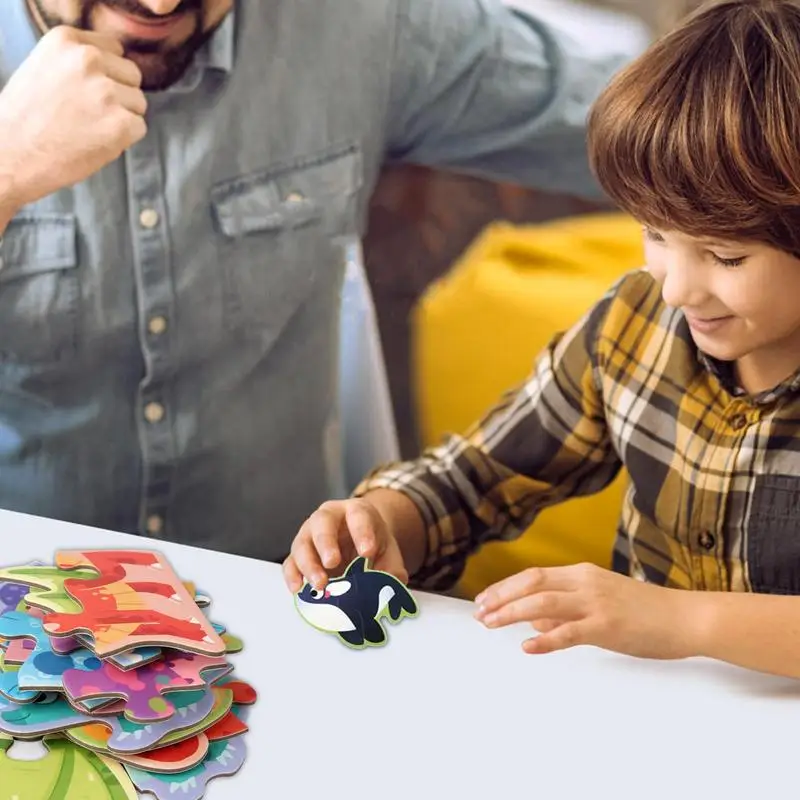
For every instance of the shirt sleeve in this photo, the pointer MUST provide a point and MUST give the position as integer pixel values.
(542, 444)
(482, 88)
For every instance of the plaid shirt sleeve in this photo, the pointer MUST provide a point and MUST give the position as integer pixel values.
(540, 445)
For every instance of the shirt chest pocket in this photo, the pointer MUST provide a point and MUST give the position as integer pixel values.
(39, 289)
(773, 535)
(278, 236)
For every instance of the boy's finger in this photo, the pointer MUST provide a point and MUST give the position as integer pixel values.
(571, 634)
(361, 524)
(307, 560)
(323, 526)
(560, 606)
(523, 583)
(292, 575)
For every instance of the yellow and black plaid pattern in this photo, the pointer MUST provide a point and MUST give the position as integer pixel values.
(714, 500)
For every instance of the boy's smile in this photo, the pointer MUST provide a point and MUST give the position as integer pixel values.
(740, 300)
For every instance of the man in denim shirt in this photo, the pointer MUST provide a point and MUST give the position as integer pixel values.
(174, 210)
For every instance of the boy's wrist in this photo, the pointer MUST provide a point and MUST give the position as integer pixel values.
(403, 521)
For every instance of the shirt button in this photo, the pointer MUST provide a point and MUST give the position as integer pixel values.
(294, 197)
(155, 524)
(154, 412)
(707, 540)
(148, 218)
(738, 421)
(157, 325)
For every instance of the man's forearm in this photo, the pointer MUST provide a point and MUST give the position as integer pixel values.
(755, 631)
(9, 203)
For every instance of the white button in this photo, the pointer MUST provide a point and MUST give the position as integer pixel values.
(155, 524)
(294, 198)
(154, 412)
(157, 325)
(148, 218)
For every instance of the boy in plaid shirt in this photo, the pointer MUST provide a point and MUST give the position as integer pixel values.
(687, 373)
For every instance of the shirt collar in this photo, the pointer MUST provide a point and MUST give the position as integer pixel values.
(218, 53)
(724, 372)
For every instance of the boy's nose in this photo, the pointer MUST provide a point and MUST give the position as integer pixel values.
(683, 285)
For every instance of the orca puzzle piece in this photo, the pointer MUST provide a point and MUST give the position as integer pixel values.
(352, 605)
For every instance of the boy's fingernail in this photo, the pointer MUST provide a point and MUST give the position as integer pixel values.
(490, 620)
(480, 599)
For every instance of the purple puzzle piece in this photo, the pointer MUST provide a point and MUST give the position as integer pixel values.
(144, 689)
(11, 595)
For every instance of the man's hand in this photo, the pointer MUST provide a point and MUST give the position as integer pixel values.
(588, 605)
(73, 106)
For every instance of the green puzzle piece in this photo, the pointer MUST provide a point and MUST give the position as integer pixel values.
(47, 586)
(67, 772)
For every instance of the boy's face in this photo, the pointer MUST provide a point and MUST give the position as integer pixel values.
(741, 300)
(161, 36)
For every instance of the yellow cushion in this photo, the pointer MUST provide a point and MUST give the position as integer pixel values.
(476, 334)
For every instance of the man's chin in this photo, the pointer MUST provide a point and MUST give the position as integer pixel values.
(159, 72)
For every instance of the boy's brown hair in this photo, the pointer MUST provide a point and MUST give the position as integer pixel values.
(701, 134)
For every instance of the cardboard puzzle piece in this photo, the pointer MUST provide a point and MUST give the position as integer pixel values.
(67, 771)
(42, 669)
(54, 715)
(224, 758)
(11, 595)
(136, 600)
(86, 679)
(351, 606)
(195, 712)
(46, 585)
(145, 690)
(181, 755)
(112, 740)
(131, 659)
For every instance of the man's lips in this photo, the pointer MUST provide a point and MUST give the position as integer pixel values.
(150, 28)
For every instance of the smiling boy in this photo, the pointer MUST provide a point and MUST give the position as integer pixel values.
(687, 373)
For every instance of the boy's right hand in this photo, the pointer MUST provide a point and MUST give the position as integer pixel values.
(333, 536)
(72, 107)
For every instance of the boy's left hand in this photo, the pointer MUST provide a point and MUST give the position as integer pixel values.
(587, 605)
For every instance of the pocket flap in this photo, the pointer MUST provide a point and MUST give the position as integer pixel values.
(35, 243)
(286, 196)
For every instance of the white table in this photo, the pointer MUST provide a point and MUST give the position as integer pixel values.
(450, 710)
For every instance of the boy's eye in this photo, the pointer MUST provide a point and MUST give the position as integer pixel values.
(729, 262)
(653, 236)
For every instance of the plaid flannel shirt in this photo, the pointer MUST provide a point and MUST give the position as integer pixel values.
(714, 496)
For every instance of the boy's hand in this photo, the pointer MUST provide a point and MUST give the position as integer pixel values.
(333, 536)
(588, 605)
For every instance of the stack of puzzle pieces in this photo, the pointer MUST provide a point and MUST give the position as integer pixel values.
(109, 659)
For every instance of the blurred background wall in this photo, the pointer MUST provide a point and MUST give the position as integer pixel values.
(422, 220)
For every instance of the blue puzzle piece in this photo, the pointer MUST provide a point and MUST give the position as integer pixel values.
(43, 670)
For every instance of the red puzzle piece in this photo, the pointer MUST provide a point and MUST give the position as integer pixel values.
(136, 600)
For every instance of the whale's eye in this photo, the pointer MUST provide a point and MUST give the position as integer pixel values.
(317, 594)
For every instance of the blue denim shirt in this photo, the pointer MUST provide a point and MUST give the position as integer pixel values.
(168, 328)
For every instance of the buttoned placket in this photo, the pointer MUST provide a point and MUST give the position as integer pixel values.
(155, 307)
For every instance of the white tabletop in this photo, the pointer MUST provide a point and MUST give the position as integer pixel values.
(450, 710)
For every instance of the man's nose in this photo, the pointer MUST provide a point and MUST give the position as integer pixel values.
(161, 7)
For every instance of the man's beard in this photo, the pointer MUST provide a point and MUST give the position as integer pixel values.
(161, 65)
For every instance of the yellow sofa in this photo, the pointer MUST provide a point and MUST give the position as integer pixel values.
(477, 332)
